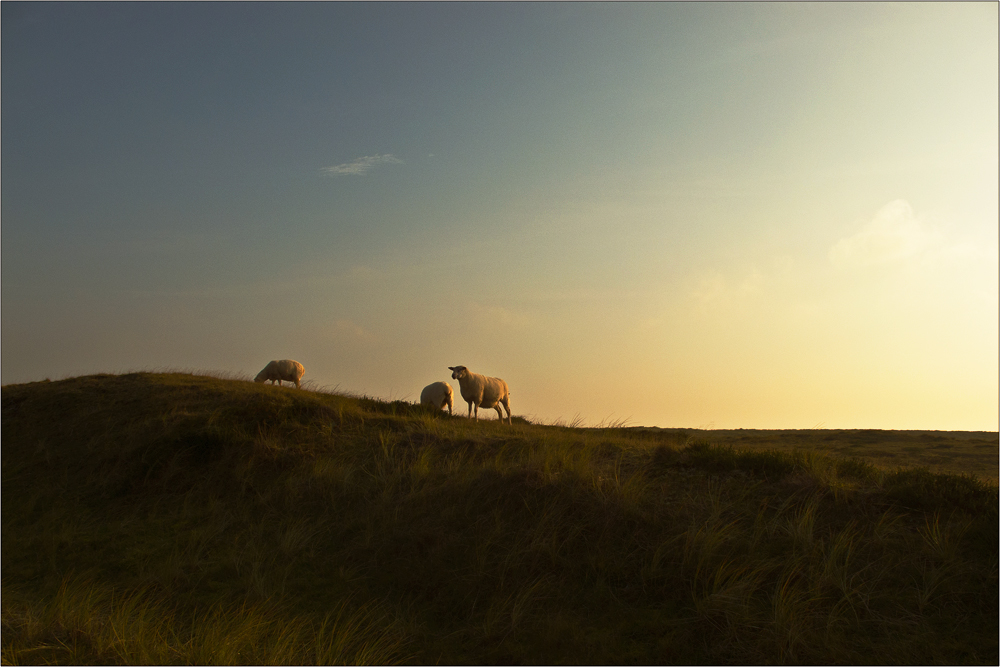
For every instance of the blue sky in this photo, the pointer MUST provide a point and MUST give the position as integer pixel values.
(744, 215)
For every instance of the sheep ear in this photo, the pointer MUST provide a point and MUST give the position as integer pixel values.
(451, 368)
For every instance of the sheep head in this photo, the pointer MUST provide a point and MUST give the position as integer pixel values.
(458, 372)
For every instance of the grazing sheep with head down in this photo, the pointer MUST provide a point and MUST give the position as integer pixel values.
(482, 391)
(438, 394)
(281, 369)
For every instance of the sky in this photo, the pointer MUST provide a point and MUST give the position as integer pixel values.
(693, 215)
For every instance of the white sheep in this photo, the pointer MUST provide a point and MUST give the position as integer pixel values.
(281, 369)
(482, 391)
(438, 394)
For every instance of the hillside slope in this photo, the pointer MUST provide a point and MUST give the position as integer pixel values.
(151, 518)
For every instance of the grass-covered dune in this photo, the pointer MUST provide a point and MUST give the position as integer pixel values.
(172, 518)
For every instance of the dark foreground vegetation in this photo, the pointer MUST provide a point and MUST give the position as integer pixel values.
(172, 518)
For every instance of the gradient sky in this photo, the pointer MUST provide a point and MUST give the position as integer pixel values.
(683, 215)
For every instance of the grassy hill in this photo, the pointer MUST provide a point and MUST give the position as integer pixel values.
(166, 518)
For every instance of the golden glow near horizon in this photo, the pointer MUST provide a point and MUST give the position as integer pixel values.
(681, 214)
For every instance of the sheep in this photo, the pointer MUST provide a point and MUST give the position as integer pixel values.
(438, 394)
(482, 391)
(283, 369)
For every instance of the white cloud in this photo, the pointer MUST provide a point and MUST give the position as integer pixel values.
(894, 234)
(362, 165)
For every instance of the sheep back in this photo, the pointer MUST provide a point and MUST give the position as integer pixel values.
(438, 394)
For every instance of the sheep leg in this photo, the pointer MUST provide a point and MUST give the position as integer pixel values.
(506, 406)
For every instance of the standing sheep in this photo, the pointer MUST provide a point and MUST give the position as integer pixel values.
(283, 369)
(438, 394)
(482, 391)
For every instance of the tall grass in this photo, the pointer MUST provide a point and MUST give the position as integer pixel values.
(86, 623)
(215, 521)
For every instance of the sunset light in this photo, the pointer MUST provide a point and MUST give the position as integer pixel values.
(714, 215)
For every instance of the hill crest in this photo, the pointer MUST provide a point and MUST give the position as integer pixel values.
(461, 541)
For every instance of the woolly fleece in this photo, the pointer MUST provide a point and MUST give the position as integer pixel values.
(282, 369)
(481, 391)
(438, 394)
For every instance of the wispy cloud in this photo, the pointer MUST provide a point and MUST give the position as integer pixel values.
(345, 329)
(895, 233)
(715, 290)
(362, 165)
